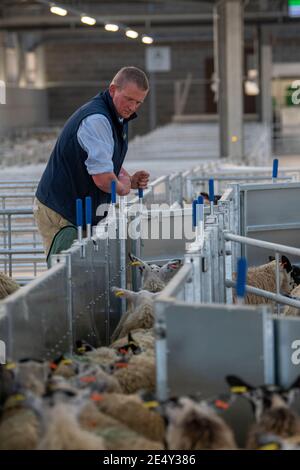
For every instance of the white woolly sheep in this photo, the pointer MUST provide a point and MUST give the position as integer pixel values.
(137, 374)
(115, 434)
(63, 431)
(7, 286)
(143, 339)
(134, 413)
(140, 314)
(264, 277)
(272, 414)
(19, 424)
(154, 277)
(194, 426)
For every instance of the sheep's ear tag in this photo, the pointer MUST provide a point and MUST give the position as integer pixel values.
(66, 362)
(239, 389)
(10, 366)
(151, 404)
(136, 263)
(96, 396)
(221, 404)
(269, 446)
(119, 293)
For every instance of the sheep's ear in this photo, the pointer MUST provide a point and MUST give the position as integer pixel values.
(237, 385)
(286, 264)
(135, 261)
(128, 294)
(205, 196)
(271, 258)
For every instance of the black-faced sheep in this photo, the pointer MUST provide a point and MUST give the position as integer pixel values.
(270, 405)
(264, 277)
(195, 426)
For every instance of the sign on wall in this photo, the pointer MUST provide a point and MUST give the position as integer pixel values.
(158, 59)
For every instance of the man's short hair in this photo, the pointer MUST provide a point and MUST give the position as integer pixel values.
(131, 74)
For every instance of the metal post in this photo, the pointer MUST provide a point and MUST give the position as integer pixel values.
(277, 279)
(9, 243)
(230, 53)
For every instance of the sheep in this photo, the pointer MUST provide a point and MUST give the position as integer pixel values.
(64, 432)
(141, 314)
(195, 426)
(138, 374)
(133, 412)
(19, 424)
(289, 310)
(31, 375)
(96, 376)
(154, 277)
(271, 442)
(143, 339)
(116, 435)
(264, 277)
(7, 286)
(270, 404)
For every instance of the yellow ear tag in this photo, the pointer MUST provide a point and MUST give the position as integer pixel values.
(136, 263)
(66, 362)
(271, 446)
(151, 404)
(10, 365)
(119, 293)
(240, 389)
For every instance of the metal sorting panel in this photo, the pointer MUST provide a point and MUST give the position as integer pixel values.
(83, 296)
(269, 212)
(34, 321)
(196, 350)
(165, 233)
(287, 349)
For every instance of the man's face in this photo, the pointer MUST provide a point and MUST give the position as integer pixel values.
(127, 99)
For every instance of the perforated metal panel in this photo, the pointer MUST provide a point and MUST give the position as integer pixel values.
(199, 345)
(270, 212)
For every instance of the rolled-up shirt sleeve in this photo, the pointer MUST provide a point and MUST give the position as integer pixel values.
(95, 137)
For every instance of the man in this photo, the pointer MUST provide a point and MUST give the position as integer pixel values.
(89, 155)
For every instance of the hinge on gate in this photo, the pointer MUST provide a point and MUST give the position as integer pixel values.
(204, 265)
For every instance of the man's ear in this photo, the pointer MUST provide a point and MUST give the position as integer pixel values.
(112, 88)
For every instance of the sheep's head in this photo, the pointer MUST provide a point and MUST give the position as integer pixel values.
(135, 298)
(264, 397)
(291, 272)
(163, 273)
(169, 269)
(143, 267)
(194, 425)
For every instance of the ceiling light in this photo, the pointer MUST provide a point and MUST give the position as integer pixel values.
(130, 33)
(111, 27)
(147, 39)
(88, 20)
(58, 11)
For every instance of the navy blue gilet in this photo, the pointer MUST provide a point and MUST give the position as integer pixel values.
(66, 177)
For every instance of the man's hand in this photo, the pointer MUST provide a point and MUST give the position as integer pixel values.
(140, 179)
(126, 183)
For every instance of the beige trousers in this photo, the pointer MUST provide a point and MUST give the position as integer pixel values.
(49, 223)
